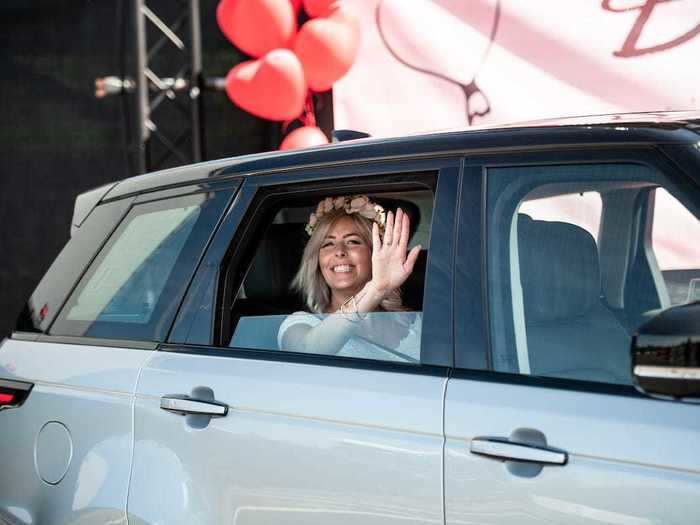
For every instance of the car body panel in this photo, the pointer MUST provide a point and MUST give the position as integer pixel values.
(307, 438)
(631, 459)
(300, 444)
(89, 391)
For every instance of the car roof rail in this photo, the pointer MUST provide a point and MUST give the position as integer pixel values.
(341, 135)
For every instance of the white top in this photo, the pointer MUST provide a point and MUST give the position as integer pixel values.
(408, 350)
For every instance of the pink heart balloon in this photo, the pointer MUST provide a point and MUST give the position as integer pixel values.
(271, 87)
(327, 47)
(304, 137)
(257, 26)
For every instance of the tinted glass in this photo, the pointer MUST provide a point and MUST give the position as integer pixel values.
(134, 286)
(675, 241)
(570, 281)
(59, 280)
(581, 209)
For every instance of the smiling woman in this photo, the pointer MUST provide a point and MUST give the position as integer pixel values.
(354, 264)
(342, 277)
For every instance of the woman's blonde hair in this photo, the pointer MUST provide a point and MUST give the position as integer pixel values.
(309, 280)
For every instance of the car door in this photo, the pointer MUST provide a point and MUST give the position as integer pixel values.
(231, 430)
(542, 422)
(65, 451)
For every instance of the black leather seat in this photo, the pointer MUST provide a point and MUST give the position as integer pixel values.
(276, 261)
(570, 332)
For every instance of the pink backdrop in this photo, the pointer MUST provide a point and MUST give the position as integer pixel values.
(421, 60)
(437, 64)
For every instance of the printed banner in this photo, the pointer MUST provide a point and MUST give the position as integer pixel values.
(437, 64)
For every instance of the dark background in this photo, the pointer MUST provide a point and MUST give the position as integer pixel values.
(57, 140)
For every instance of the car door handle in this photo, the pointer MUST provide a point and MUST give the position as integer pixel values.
(185, 405)
(502, 448)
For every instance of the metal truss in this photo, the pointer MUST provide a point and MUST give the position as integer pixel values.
(161, 84)
(166, 85)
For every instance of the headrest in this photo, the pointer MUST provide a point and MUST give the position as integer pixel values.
(559, 269)
(413, 288)
(275, 264)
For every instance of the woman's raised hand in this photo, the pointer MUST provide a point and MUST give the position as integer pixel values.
(391, 266)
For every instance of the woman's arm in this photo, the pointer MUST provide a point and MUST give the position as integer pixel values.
(328, 337)
(391, 266)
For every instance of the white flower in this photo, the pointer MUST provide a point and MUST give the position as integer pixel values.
(358, 202)
(351, 204)
(327, 204)
(368, 211)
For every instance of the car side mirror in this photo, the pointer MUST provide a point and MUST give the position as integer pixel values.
(666, 354)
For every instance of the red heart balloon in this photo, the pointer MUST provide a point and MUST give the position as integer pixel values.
(296, 4)
(271, 87)
(327, 47)
(304, 137)
(316, 8)
(257, 26)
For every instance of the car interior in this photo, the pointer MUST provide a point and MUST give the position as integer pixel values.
(265, 297)
(567, 309)
(577, 300)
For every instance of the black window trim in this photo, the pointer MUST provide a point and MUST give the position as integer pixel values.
(649, 155)
(259, 214)
(230, 185)
(396, 172)
(306, 359)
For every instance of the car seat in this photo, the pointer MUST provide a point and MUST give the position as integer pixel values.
(570, 333)
(266, 297)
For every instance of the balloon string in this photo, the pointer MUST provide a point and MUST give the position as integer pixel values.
(309, 118)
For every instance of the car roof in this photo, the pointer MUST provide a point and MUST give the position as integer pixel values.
(676, 127)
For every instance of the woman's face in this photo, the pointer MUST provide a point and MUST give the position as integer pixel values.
(345, 258)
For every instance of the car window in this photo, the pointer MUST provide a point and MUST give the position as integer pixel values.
(270, 313)
(582, 209)
(571, 268)
(132, 289)
(267, 312)
(675, 243)
(56, 285)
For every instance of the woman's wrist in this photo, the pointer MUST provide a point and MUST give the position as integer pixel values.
(373, 292)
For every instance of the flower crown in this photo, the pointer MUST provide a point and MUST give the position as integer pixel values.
(351, 204)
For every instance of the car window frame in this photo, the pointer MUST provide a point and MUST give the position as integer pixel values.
(473, 340)
(437, 321)
(230, 187)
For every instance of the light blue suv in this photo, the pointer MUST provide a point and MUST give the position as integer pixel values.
(556, 302)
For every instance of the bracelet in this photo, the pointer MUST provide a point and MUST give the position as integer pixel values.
(352, 299)
(357, 310)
